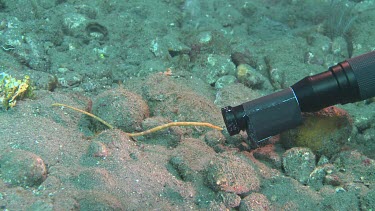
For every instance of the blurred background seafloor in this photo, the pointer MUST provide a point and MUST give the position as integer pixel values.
(142, 63)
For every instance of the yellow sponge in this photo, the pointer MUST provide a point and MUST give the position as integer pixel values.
(12, 89)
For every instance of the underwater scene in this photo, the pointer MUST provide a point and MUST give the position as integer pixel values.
(187, 105)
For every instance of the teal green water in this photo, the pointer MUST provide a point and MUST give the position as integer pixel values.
(142, 63)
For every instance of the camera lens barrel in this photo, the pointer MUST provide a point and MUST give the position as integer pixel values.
(349, 81)
(265, 116)
(337, 85)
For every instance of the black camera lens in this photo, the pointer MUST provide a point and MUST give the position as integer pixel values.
(234, 118)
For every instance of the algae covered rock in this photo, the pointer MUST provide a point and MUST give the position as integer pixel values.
(325, 132)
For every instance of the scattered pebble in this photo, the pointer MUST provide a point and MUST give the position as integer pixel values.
(97, 149)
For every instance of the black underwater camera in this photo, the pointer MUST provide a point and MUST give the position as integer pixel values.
(349, 81)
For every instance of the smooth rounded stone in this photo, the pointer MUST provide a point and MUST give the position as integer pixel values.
(22, 168)
(298, 163)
